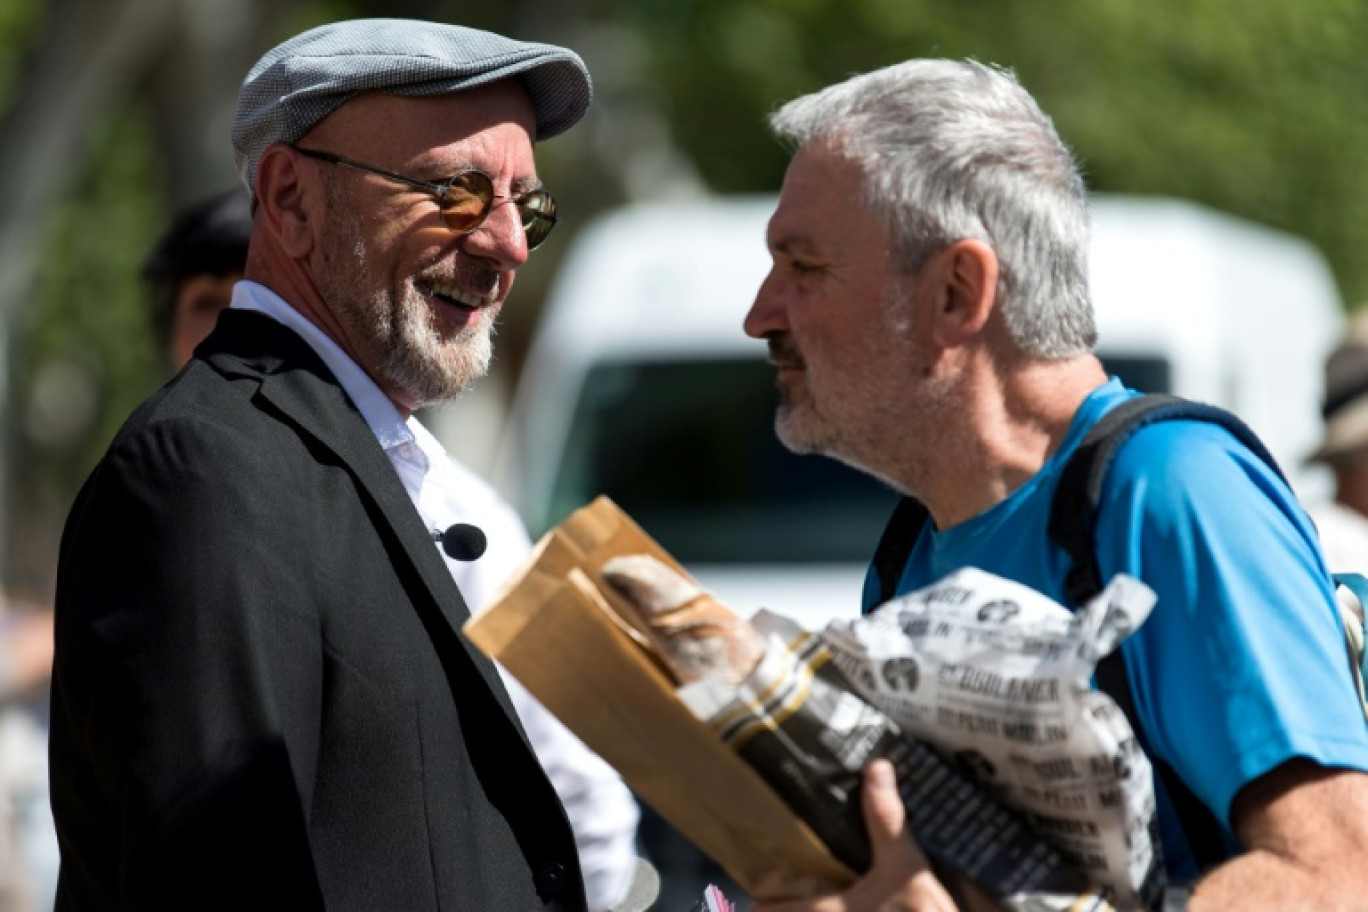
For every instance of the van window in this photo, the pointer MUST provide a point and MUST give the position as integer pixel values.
(686, 447)
(1142, 373)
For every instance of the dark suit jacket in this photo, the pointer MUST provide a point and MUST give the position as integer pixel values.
(261, 699)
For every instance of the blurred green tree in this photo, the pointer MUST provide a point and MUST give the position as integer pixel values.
(1250, 106)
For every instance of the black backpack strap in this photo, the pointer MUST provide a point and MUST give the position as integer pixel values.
(1073, 514)
(1200, 827)
(896, 544)
(1073, 526)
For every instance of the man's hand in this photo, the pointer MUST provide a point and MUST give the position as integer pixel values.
(900, 879)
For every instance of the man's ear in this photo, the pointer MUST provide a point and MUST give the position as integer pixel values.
(965, 277)
(283, 204)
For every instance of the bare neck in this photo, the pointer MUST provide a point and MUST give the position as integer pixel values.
(1003, 433)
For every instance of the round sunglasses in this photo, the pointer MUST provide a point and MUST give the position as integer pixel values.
(466, 200)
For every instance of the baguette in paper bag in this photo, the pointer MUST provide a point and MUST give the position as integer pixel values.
(696, 636)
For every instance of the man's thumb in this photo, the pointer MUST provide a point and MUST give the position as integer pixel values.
(884, 814)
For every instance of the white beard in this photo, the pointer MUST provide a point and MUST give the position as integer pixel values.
(401, 336)
(418, 359)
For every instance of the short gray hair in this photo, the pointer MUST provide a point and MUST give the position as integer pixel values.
(958, 149)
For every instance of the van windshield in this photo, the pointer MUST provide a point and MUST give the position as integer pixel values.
(687, 448)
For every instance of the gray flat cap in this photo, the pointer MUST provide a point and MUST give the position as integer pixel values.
(298, 83)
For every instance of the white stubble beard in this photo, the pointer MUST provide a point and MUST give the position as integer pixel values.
(419, 359)
(890, 437)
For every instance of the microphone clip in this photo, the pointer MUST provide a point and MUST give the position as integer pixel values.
(461, 541)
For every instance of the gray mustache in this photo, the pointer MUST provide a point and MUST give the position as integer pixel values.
(783, 351)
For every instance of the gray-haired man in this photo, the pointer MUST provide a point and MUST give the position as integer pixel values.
(929, 316)
(261, 697)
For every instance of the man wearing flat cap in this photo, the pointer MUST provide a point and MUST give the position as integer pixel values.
(261, 696)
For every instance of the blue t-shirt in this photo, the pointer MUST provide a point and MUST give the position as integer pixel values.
(1242, 665)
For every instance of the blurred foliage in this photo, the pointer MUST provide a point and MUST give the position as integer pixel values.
(18, 18)
(82, 356)
(1251, 106)
(93, 315)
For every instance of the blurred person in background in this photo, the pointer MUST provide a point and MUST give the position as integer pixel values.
(190, 274)
(29, 857)
(261, 698)
(928, 313)
(191, 270)
(1343, 521)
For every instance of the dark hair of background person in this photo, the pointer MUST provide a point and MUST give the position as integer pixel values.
(208, 238)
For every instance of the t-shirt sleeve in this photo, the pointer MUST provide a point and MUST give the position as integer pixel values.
(1242, 665)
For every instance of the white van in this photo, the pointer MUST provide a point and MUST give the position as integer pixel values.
(641, 384)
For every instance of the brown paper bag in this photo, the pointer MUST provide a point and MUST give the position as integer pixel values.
(574, 647)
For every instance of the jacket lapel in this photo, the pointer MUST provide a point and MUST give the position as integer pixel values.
(298, 385)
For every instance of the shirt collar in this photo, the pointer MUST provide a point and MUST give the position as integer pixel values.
(388, 426)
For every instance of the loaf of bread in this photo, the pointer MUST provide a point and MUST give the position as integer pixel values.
(695, 635)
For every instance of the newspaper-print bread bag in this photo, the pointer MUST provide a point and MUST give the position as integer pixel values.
(997, 678)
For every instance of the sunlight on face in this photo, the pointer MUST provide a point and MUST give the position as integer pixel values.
(417, 303)
(852, 373)
(413, 349)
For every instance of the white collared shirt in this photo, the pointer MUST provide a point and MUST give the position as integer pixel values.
(601, 809)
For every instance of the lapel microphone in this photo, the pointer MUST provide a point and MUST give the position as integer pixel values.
(462, 542)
